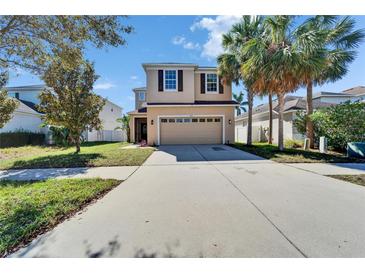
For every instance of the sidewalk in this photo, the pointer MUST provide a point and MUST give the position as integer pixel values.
(332, 169)
(116, 172)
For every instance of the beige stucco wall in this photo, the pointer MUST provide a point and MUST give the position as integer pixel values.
(185, 96)
(138, 103)
(154, 112)
(263, 122)
(227, 90)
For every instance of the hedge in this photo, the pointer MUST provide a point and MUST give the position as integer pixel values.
(22, 138)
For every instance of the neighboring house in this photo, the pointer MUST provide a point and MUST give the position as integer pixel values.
(185, 104)
(26, 117)
(260, 123)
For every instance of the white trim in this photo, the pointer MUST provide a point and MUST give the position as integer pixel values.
(201, 70)
(206, 84)
(190, 116)
(164, 87)
(193, 105)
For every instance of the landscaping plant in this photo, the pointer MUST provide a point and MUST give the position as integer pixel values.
(341, 124)
(68, 100)
(7, 104)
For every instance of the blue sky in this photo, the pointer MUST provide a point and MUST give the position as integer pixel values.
(191, 39)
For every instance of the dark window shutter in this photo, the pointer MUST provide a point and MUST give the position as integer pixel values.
(221, 88)
(160, 80)
(180, 80)
(202, 82)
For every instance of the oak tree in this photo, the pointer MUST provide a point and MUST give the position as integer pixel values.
(7, 104)
(30, 42)
(69, 101)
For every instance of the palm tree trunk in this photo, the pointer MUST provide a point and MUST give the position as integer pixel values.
(309, 123)
(270, 118)
(281, 122)
(249, 125)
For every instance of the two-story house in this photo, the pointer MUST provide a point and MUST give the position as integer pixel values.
(183, 104)
(27, 117)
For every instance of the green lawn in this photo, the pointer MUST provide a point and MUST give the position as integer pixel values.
(92, 154)
(28, 209)
(294, 155)
(355, 179)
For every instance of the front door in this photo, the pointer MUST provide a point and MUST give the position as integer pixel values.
(144, 131)
(140, 129)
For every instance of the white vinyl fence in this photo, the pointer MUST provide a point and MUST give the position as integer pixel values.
(105, 135)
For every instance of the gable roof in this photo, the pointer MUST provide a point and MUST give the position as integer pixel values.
(290, 103)
(360, 90)
(26, 88)
(29, 104)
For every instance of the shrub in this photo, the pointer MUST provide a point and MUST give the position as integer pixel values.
(300, 124)
(60, 135)
(341, 124)
(290, 143)
(21, 138)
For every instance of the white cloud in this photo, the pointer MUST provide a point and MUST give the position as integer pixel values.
(215, 27)
(178, 40)
(134, 77)
(104, 86)
(181, 40)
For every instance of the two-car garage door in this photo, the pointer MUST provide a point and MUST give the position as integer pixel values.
(196, 130)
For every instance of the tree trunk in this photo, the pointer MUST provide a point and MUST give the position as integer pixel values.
(270, 118)
(281, 122)
(249, 125)
(309, 123)
(77, 144)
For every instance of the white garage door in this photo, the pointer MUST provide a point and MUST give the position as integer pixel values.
(197, 130)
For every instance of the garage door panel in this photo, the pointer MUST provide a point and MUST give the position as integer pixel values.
(191, 133)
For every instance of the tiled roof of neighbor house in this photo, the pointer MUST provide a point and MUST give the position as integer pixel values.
(29, 87)
(231, 102)
(291, 103)
(355, 91)
(327, 93)
(30, 105)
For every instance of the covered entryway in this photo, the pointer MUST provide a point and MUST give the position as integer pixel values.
(192, 130)
(140, 130)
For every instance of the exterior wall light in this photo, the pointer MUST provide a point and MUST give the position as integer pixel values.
(229, 121)
(151, 122)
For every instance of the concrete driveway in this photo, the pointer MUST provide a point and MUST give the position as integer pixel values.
(215, 201)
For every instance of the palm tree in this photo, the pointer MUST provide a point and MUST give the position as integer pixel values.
(275, 59)
(125, 120)
(239, 99)
(338, 40)
(230, 63)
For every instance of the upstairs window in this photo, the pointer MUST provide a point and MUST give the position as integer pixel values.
(212, 82)
(141, 96)
(170, 80)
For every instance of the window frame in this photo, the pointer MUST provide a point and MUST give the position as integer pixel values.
(164, 80)
(206, 83)
(144, 96)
